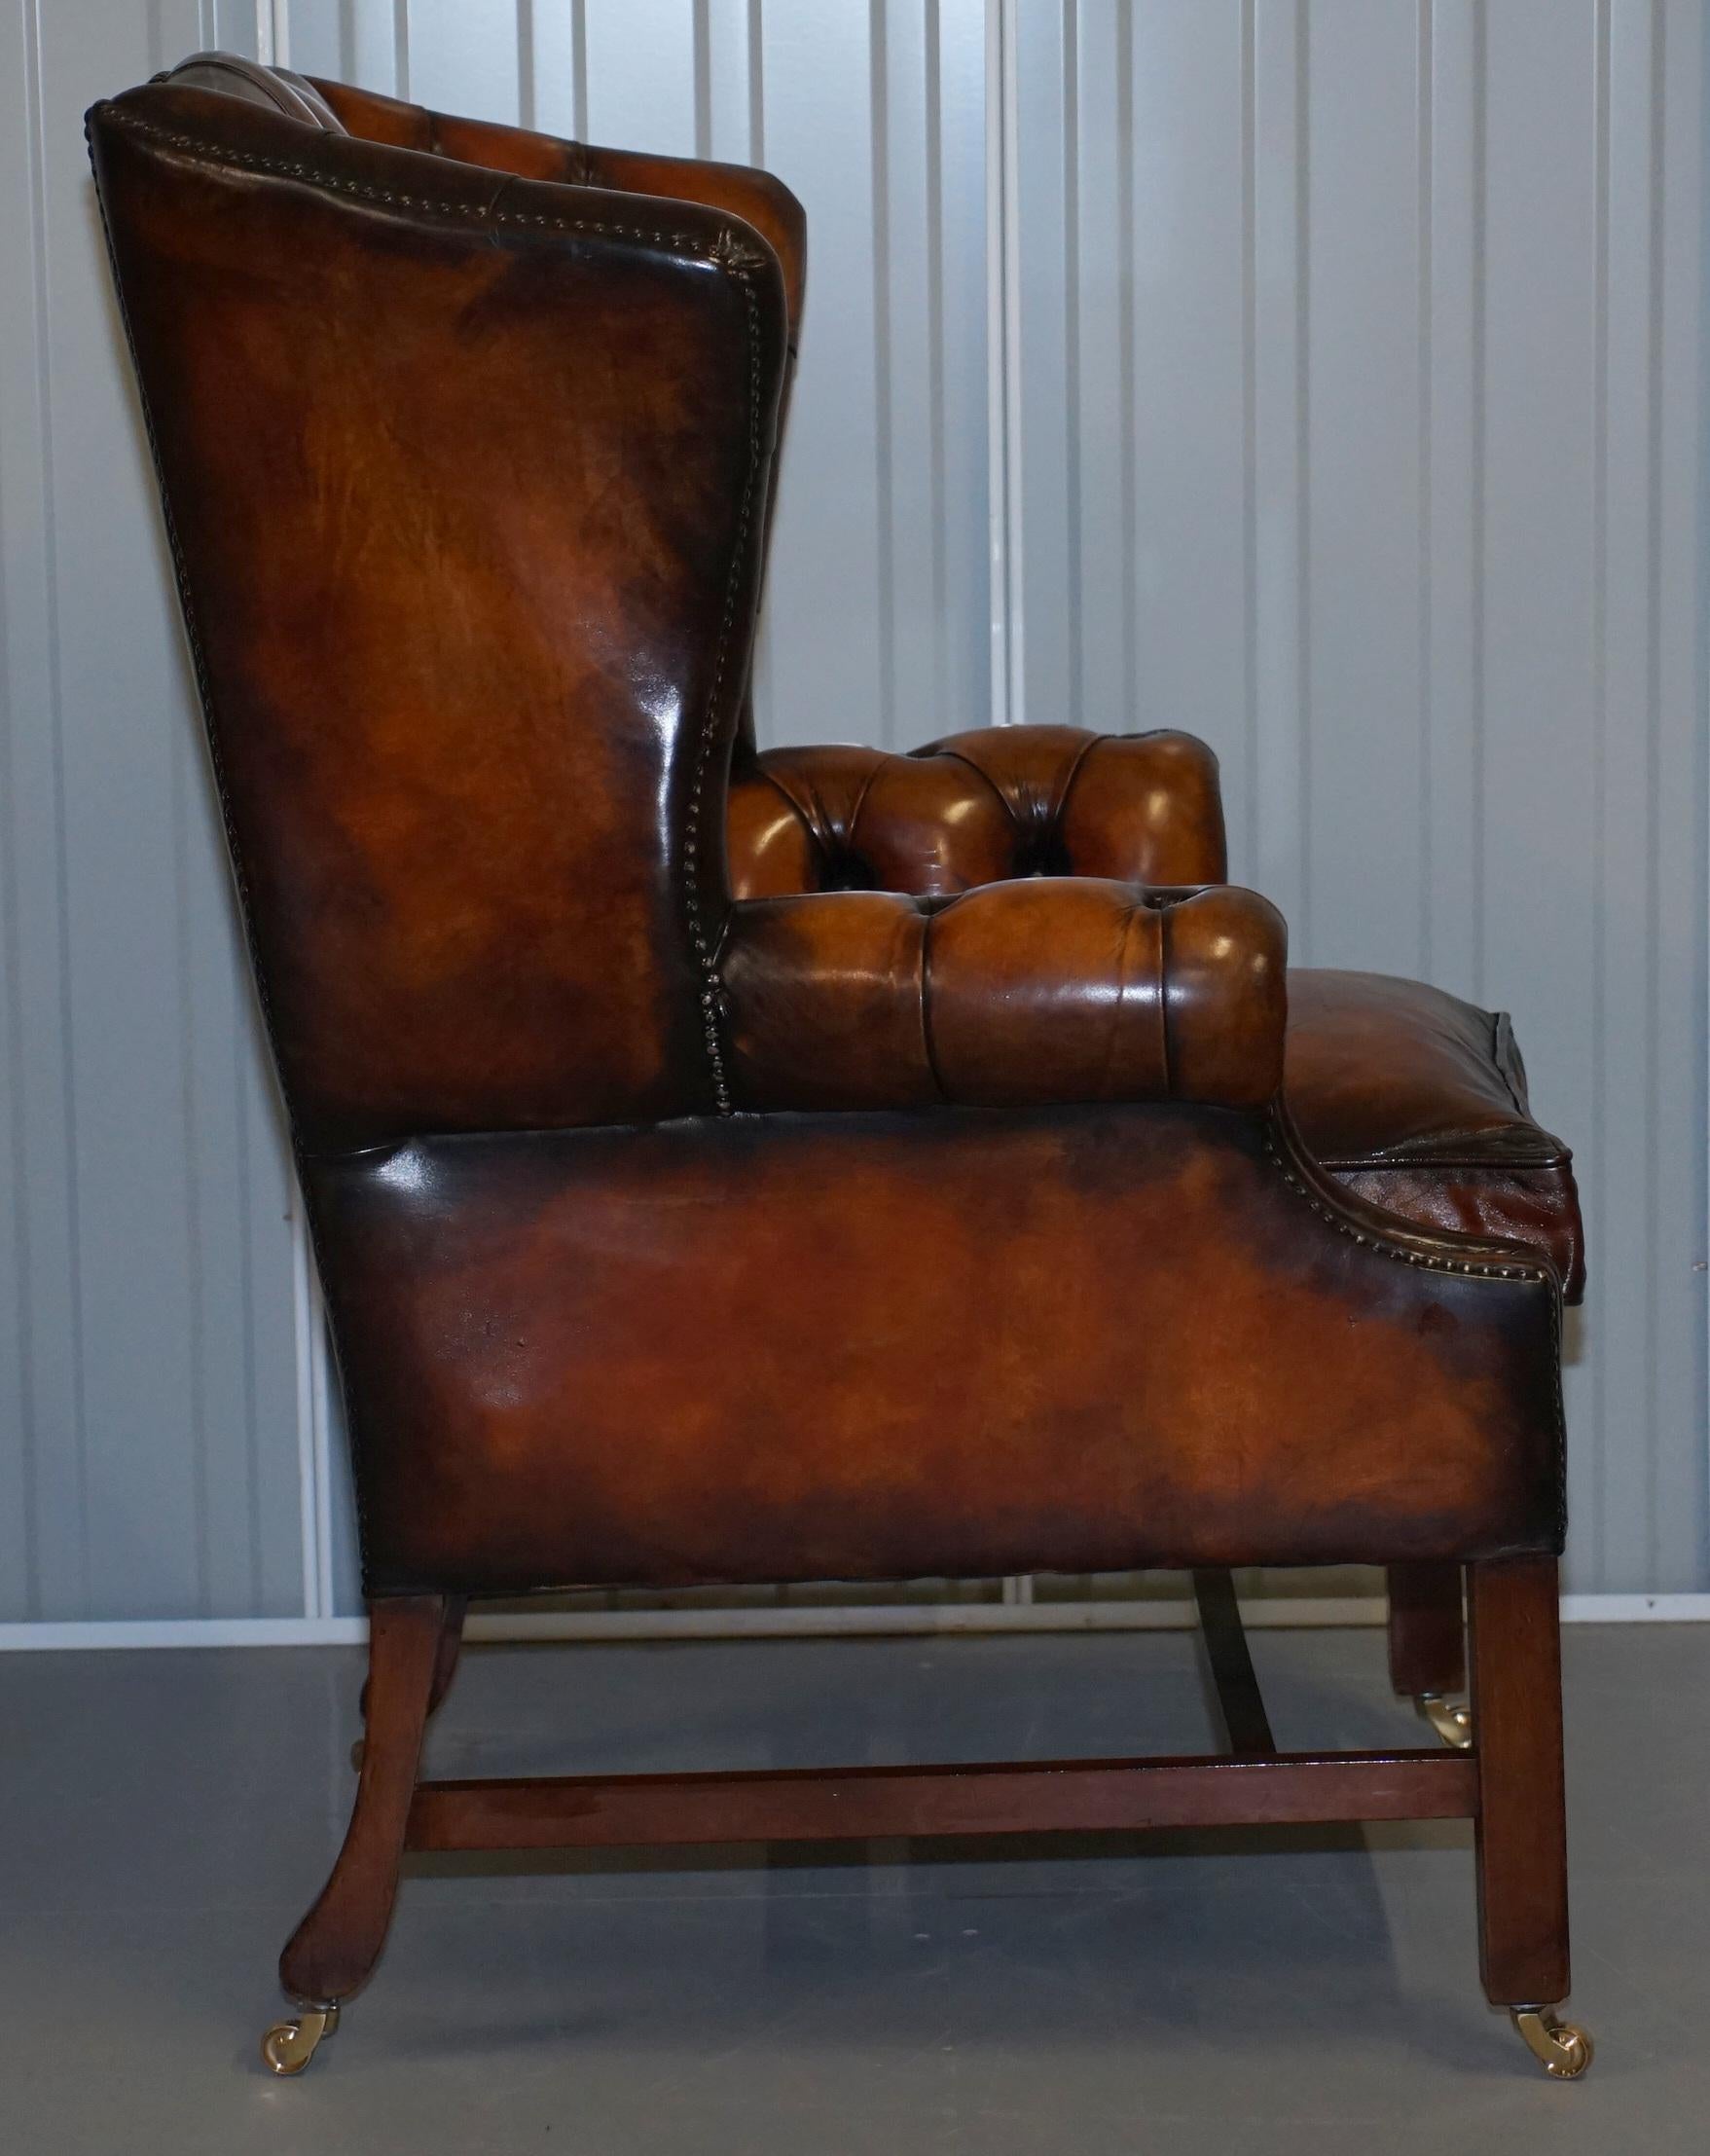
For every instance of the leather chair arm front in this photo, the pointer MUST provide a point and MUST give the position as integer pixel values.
(1044, 991)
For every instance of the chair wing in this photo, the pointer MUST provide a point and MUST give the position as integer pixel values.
(466, 477)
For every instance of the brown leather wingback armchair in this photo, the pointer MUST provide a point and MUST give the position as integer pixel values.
(811, 1164)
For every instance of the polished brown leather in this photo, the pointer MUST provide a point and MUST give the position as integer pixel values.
(1059, 988)
(1413, 1098)
(754, 196)
(877, 1346)
(340, 108)
(917, 1191)
(977, 807)
(471, 652)
(1418, 1102)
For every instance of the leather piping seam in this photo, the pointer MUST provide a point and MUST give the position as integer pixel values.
(724, 248)
(705, 954)
(1430, 1163)
(1470, 1269)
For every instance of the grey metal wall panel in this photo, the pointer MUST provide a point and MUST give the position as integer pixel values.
(148, 1444)
(1362, 351)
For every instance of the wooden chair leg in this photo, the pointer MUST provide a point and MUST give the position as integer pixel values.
(337, 1945)
(1427, 1639)
(444, 1669)
(1427, 1659)
(1514, 1632)
(1224, 1637)
(451, 1646)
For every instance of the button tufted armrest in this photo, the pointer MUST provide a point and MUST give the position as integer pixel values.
(977, 807)
(1047, 990)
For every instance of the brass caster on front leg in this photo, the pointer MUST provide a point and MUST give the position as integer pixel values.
(1559, 2048)
(1451, 1719)
(289, 2046)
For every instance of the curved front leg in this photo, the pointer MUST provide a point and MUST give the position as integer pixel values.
(334, 1950)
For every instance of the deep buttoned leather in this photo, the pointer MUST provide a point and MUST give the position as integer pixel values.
(1061, 989)
(729, 1166)
(976, 807)
(1413, 1098)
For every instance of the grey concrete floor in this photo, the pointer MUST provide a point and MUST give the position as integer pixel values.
(166, 1818)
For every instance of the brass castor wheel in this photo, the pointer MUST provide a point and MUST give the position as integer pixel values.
(1559, 2048)
(289, 2046)
(1451, 1719)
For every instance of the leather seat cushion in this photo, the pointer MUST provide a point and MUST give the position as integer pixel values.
(1417, 1102)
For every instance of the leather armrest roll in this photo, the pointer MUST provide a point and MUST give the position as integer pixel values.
(1044, 991)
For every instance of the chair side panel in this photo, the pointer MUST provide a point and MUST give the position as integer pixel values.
(874, 1346)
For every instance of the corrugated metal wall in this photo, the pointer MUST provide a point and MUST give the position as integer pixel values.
(149, 1459)
(1355, 403)
(1363, 414)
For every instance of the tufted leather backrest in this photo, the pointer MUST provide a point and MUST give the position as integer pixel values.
(977, 807)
